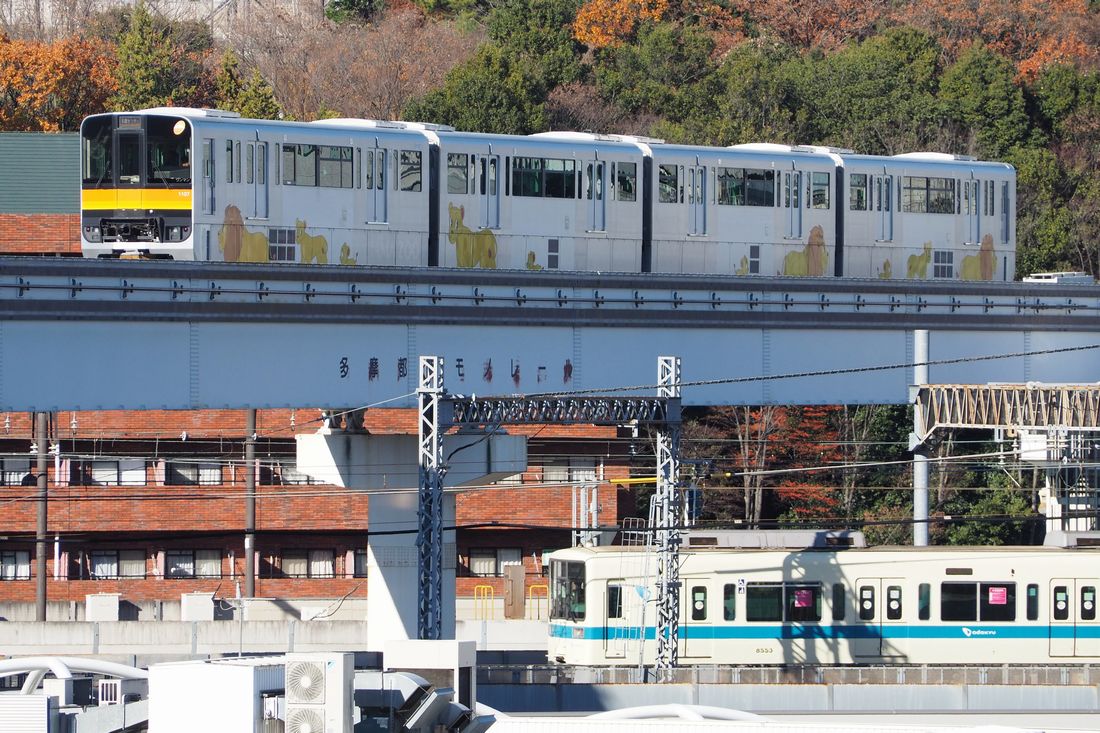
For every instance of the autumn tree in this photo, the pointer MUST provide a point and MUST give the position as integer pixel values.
(827, 25)
(608, 23)
(52, 86)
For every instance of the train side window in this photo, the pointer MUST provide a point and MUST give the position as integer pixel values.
(410, 170)
(368, 170)
(729, 602)
(924, 601)
(668, 183)
(839, 602)
(458, 169)
(1088, 603)
(820, 195)
(1061, 603)
(998, 602)
(866, 602)
(614, 601)
(380, 168)
(626, 181)
(893, 602)
(803, 602)
(959, 601)
(249, 163)
(699, 603)
(261, 163)
(208, 175)
(237, 161)
(857, 192)
(228, 161)
(764, 602)
(1032, 602)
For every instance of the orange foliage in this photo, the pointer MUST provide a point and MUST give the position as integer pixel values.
(1032, 33)
(49, 87)
(602, 23)
(824, 24)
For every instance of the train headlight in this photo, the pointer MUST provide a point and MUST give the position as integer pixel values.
(93, 234)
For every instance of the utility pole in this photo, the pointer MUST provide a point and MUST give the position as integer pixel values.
(250, 505)
(41, 436)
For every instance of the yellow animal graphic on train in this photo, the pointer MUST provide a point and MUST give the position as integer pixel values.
(346, 257)
(472, 249)
(981, 266)
(811, 260)
(887, 271)
(917, 265)
(313, 246)
(236, 243)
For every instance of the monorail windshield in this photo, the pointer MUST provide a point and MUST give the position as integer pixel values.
(567, 590)
(136, 151)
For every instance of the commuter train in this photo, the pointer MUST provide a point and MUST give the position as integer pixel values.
(931, 605)
(195, 184)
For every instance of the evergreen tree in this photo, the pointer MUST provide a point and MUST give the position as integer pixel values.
(252, 97)
(145, 59)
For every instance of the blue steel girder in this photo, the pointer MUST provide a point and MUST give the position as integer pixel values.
(84, 334)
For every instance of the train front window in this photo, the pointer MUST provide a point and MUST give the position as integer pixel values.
(96, 155)
(567, 590)
(168, 152)
(129, 159)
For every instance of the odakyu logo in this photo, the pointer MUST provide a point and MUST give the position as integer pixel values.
(968, 632)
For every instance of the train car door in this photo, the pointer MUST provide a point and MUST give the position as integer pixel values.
(792, 202)
(374, 180)
(697, 199)
(256, 174)
(882, 187)
(696, 620)
(489, 190)
(595, 175)
(880, 607)
(974, 220)
(1074, 627)
(621, 618)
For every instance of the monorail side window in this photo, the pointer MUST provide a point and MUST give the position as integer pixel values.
(335, 163)
(458, 169)
(559, 178)
(803, 602)
(626, 181)
(410, 170)
(924, 601)
(731, 186)
(819, 197)
(893, 602)
(998, 602)
(527, 176)
(1088, 603)
(1032, 602)
(699, 603)
(840, 602)
(614, 601)
(1061, 603)
(764, 602)
(959, 601)
(668, 183)
(857, 192)
(567, 590)
(759, 187)
(729, 602)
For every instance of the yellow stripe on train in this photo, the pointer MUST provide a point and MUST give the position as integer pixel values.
(98, 199)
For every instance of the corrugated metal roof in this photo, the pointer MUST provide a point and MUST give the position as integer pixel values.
(39, 173)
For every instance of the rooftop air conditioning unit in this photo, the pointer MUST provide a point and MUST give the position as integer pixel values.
(319, 693)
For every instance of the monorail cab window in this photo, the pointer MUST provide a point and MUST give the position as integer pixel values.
(168, 142)
(97, 153)
(567, 590)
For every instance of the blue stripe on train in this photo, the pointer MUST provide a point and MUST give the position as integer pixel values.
(814, 631)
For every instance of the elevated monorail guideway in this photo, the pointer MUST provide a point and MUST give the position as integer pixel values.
(87, 334)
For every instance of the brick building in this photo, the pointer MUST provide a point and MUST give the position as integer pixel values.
(151, 504)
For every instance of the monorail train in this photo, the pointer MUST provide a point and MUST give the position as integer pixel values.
(207, 185)
(931, 605)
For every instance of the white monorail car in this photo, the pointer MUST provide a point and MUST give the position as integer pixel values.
(941, 605)
(361, 192)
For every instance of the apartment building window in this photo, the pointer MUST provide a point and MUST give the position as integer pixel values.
(15, 565)
(575, 470)
(289, 474)
(193, 564)
(191, 473)
(118, 472)
(490, 563)
(361, 563)
(107, 564)
(15, 469)
(308, 564)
